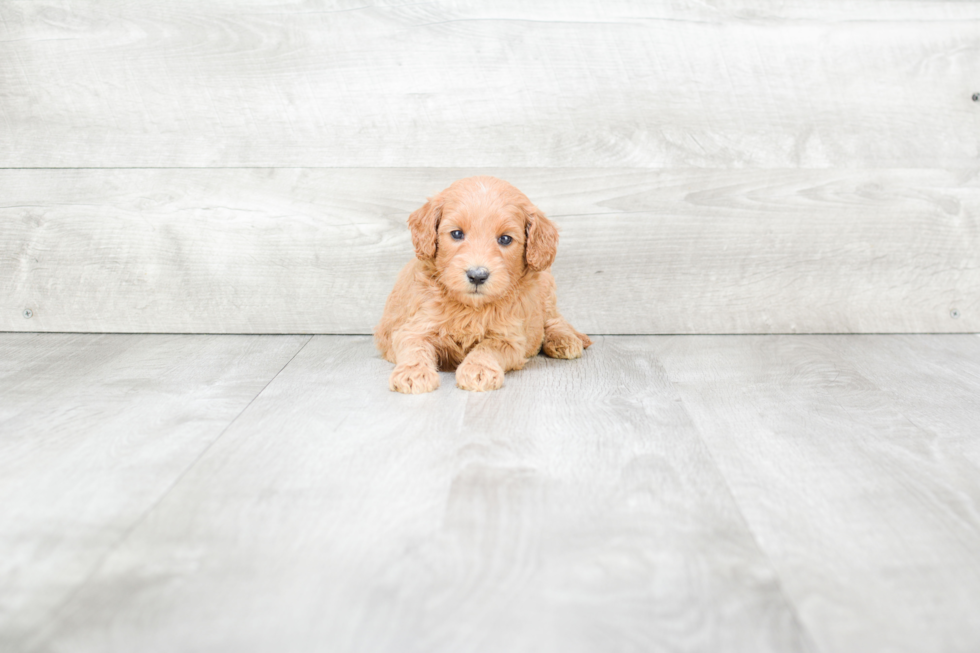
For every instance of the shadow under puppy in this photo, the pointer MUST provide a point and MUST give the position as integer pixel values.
(479, 297)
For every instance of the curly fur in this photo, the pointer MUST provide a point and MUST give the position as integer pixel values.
(435, 318)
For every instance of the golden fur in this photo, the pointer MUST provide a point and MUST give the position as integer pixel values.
(437, 318)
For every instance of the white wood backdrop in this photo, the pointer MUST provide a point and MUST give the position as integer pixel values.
(725, 167)
(642, 251)
(548, 83)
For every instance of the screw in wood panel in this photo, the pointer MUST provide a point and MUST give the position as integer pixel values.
(28, 313)
(953, 313)
(976, 97)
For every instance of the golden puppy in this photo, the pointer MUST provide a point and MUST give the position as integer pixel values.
(480, 297)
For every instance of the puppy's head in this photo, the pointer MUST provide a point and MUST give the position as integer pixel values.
(483, 235)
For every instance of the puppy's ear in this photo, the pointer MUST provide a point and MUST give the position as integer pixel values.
(424, 224)
(542, 240)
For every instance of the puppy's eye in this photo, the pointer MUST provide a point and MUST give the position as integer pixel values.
(457, 235)
(505, 240)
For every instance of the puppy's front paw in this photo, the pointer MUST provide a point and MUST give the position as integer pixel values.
(479, 375)
(562, 345)
(413, 379)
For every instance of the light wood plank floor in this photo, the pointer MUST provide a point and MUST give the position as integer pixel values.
(684, 493)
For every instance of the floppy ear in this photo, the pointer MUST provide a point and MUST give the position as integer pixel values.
(423, 223)
(542, 240)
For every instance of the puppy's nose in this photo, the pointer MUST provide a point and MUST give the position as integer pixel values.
(477, 275)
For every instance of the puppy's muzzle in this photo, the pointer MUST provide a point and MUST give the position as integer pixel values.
(477, 276)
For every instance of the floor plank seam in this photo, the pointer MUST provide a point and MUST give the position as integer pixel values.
(56, 614)
(806, 638)
(896, 398)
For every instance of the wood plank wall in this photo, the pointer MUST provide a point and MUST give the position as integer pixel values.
(715, 167)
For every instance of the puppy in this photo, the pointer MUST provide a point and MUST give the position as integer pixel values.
(479, 297)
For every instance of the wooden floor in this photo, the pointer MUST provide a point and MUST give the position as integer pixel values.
(684, 493)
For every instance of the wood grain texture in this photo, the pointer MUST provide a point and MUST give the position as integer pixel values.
(337, 515)
(317, 251)
(936, 381)
(587, 83)
(94, 430)
(869, 514)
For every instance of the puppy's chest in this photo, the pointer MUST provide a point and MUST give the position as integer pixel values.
(462, 329)
(465, 330)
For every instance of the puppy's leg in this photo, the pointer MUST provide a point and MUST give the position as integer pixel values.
(483, 368)
(382, 340)
(415, 371)
(561, 340)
